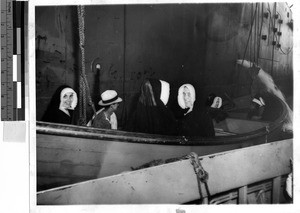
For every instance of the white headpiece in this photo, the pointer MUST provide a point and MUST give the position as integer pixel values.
(217, 103)
(75, 99)
(180, 95)
(165, 91)
(259, 101)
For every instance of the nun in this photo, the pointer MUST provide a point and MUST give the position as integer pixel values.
(150, 113)
(196, 120)
(61, 107)
(214, 105)
(257, 107)
(264, 107)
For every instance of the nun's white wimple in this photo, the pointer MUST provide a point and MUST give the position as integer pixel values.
(165, 91)
(75, 99)
(217, 103)
(180, 99)
(262, 101)
(259, 101)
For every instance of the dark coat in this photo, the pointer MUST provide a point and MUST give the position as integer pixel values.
(272, 108)
(218, 114)
(150, 115)
(270, 111)
(197, 123)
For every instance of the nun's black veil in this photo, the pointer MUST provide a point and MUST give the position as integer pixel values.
(52, 113)
(150, 114)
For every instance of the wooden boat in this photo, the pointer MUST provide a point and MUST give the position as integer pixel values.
(257, 180)
(69, 154)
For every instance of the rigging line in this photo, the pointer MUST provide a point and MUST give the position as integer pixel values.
(124, 64)
(280, 48)
(124, 50)
(255, 33)
(84, 83)
(279, 28)
(81, 86)
(259, 35)
(249, 36)
(273, 49)
(269, 29)
(286, 53)
(81, 45)
(279, 14)
(248, 39)
(255, 37)
(273, 25)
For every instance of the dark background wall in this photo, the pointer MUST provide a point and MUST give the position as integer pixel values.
(179, 43)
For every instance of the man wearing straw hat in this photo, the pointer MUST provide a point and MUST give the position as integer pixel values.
(106, 118)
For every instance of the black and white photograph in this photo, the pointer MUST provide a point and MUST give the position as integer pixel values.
(160, 106)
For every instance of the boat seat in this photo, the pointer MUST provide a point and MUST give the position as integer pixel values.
(238, 126)
(221, 132)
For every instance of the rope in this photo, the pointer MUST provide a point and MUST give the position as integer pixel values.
(84, 90)
(202, 175)
(250, 34)
(267, 133)
(248, 40)
(259, 35)
(274, 34)
(261, 197)
(81, 102)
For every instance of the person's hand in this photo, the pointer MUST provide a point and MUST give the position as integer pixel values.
(245, 63)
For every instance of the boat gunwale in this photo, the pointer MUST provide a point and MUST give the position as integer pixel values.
(136, 137)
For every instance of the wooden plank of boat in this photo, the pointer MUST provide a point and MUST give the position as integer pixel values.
(176, 182)
(63, 160)
(68, 154)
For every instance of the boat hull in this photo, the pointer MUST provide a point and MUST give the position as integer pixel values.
(177, 183)
(64, 160)
(68, 154)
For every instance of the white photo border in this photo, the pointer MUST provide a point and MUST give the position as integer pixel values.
(32, 4)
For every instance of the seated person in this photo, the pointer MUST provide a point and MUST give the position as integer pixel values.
(257, 107)
(196, 120)
(106, 118)
(215, 108)
(262, 82)
(266, 107)
(61, 106)
(149, 113)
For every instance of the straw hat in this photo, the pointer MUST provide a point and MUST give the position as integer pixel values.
(109, 97)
